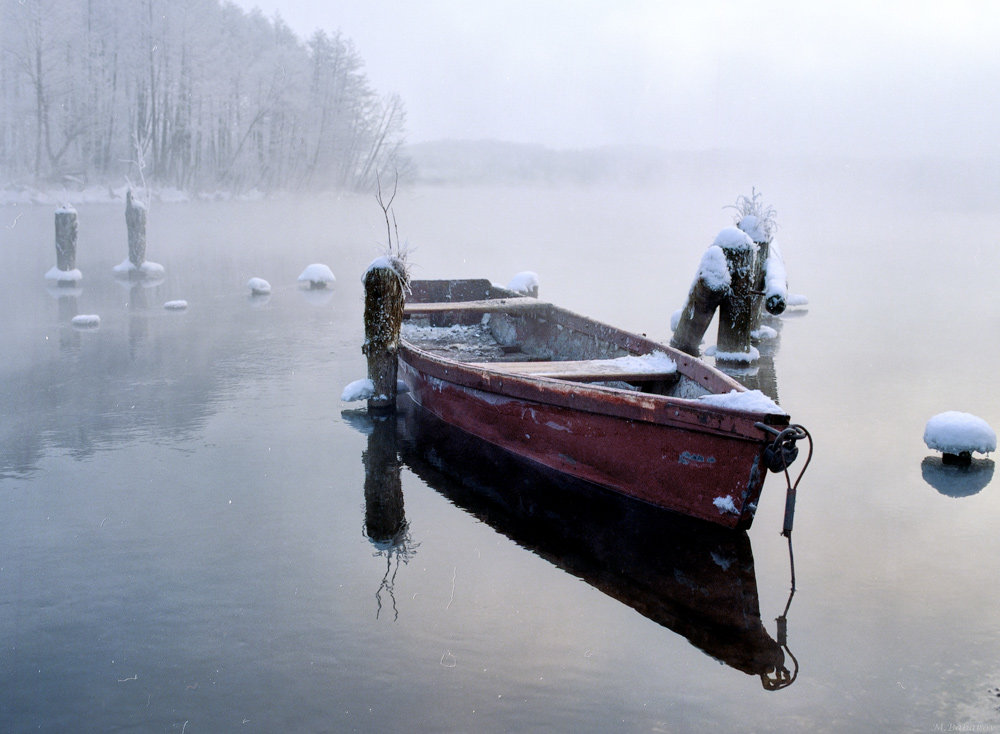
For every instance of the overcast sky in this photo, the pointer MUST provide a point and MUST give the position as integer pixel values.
(906, 77)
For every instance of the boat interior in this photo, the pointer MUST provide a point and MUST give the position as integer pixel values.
(483, 325)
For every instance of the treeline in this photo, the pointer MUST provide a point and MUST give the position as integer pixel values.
(196, 94)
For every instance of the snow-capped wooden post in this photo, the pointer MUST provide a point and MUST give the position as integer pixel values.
(385, 283)
(135, 220)
(725, 281)
(710, 286)
(770, 283)
(66, 230)
(737, 309)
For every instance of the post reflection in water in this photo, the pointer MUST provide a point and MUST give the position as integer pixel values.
(688, 576)
(385, 516)
(761, 375)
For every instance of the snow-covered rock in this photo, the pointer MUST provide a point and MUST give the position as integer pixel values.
(358, 390)
(175, 305)
(259, 287)
(954, 432)
(364, 389)
(317, 275)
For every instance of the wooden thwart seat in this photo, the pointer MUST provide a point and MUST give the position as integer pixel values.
(509, 305)
(578, 371)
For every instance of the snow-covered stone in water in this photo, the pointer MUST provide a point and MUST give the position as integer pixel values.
(317, 275)
(86, 321)
(259, 287)
(525, 282)
(175, 305)
(733, 238)
(753, 401)
(957, 433)
(63, 276)
(358, 390)
(365, 389)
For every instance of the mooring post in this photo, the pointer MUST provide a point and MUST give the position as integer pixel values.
(385, 282)
(737, 309)
(66, 229)
(710, 286)
(725, 281)
(770, 286)
(135, 220)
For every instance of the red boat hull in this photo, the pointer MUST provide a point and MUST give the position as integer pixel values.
(701, 463)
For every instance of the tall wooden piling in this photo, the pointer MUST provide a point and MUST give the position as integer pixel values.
(385, 283)
(725, 281)
(736, 310)
(135, 220)
(66, 231)
(710, 286)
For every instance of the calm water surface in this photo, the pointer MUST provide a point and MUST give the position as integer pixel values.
(189, 540)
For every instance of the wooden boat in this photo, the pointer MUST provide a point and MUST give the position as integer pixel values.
(590, 400)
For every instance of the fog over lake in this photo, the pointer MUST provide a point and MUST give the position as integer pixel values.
(198, 534)
(185, 538)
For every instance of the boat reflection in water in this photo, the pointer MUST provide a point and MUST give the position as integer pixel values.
(689, 576)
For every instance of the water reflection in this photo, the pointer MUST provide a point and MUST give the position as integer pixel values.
(693, 578)
(385, 516)
(957, 480)
(761, 375)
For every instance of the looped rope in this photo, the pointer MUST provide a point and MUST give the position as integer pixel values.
(779, 455)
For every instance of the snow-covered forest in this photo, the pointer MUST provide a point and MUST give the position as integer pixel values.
(193, 94)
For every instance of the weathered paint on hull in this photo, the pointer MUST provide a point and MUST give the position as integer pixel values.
(679, 467)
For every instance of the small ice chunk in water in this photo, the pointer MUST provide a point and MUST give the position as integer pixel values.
(175, 305)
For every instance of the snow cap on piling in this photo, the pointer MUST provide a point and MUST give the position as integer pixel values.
(733, 238)
(755, 227)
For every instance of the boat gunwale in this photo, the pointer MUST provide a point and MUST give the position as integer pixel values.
(666, 410)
